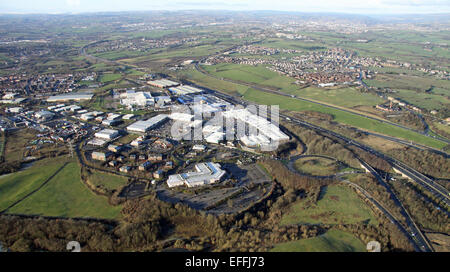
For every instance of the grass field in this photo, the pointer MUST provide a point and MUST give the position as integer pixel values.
(338, 205)
(344, 97)
(109, 181)
(17, 185)
(331, 241)
(110, 77)
(317, 166)
(66, 196)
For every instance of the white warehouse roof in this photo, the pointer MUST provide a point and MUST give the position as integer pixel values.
(206, 173)
(143, 126)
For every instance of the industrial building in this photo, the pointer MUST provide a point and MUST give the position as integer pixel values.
(262, 127)
(70, 97)
(163, 83)
(206, 173)
(100, 156)
(136, 99)
(184, 89)
(144, 126)
(107, 134)
(179, 116)
(145, 166)
(44, 115)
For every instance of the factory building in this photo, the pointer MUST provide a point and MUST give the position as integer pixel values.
(206, 173)
(100, 156)
(137, 99)
(43, 116)
(184, 89)
(70, 97)
(144, 126)
(264, 129)
(107, 134)
(163, 83)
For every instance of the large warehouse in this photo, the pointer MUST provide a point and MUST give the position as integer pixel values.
(144, 126)
(183, 90)
(69, 97)
(262, 128)
(107, 134)
(139, 99)
(163, 83)
(206, 173)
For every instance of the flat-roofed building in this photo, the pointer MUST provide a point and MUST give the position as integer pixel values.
(70, 97)
(87, 116)
(114, 148)
(125, 169)
(206, 173)
(44, 115)
(144, 126)
(129, 116)
(15, 110)
(138, 99)
(185, 89)
(259, 125)
(109, 122)
(96, 142)
(179, 116)
(100, 156)
(145, 166)
(107, 134)
(163, 83)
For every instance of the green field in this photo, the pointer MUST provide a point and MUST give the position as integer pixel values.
(66, 196)
(253, 74)
(343, 97)
(338, 205)
(331, 241)
(109, 181)
(110, 77)
(17, 185)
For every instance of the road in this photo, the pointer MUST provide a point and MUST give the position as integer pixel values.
(385, 211)
(416, 234)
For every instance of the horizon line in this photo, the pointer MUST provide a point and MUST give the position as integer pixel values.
(221, 10)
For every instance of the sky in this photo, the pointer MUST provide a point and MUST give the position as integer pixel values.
(339, 6)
